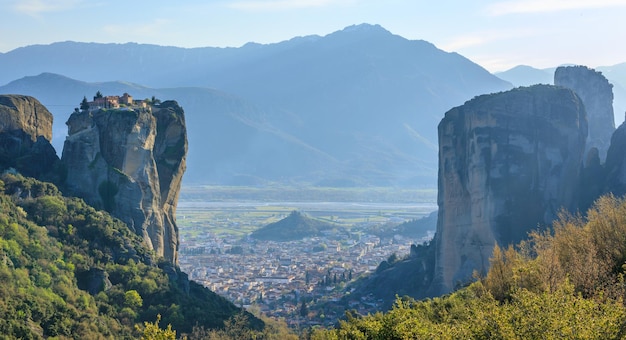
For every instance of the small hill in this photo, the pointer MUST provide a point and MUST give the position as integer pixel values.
(415, 228)
(293, 227)
(418, 227)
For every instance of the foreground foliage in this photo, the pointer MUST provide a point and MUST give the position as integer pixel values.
(563, 283)
(473, 313)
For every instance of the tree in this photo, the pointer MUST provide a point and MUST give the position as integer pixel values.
(151, 331)
(84, 105)
(237, 327)
(393, 258)
(499, 280)
(98, 95)
(304, 310)
(52, 209)
(132, 299)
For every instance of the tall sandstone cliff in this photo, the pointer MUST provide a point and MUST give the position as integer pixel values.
(596, 93)
(131, 163)
(507, 163)
(25, 134)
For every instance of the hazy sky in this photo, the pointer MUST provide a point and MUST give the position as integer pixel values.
(496, 34)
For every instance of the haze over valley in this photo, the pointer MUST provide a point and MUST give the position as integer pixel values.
(358, 107)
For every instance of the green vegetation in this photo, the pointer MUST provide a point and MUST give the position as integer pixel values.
(567, 282)
(152, 331)
(86, 275)
(473, 313)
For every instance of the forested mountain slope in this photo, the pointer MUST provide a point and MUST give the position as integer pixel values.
(69, 270)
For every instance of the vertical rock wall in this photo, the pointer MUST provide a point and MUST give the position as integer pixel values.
(18, 112)
(130, 163)
(615, 166)
(597, 95)
(25, 134)
(507, 163)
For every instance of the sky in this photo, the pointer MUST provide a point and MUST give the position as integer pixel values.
(497, 35)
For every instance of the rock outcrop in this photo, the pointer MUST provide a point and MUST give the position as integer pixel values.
(597, 95)
(508, 162)
(131, 163)
(615, 165)
(25, 134)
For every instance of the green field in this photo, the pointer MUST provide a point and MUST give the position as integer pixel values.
(237, 211)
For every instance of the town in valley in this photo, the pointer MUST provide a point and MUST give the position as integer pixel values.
(281, 279)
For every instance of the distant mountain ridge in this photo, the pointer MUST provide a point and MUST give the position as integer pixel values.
(356, 107)
(523, 75)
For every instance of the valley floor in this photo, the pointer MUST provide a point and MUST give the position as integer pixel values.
(276, 277)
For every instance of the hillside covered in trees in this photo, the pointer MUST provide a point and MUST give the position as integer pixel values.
(68, 270)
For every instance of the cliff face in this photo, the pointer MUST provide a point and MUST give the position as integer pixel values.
(596, 93)
(25, 113)
(25, 134)
(615, 166)
(131, 164)
(507, 162)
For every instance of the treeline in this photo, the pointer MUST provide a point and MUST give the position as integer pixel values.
(563, 283)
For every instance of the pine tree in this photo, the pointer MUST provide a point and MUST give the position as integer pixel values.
(304, 310)
(84, 105)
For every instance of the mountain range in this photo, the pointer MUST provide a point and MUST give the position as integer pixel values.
(358, 107)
